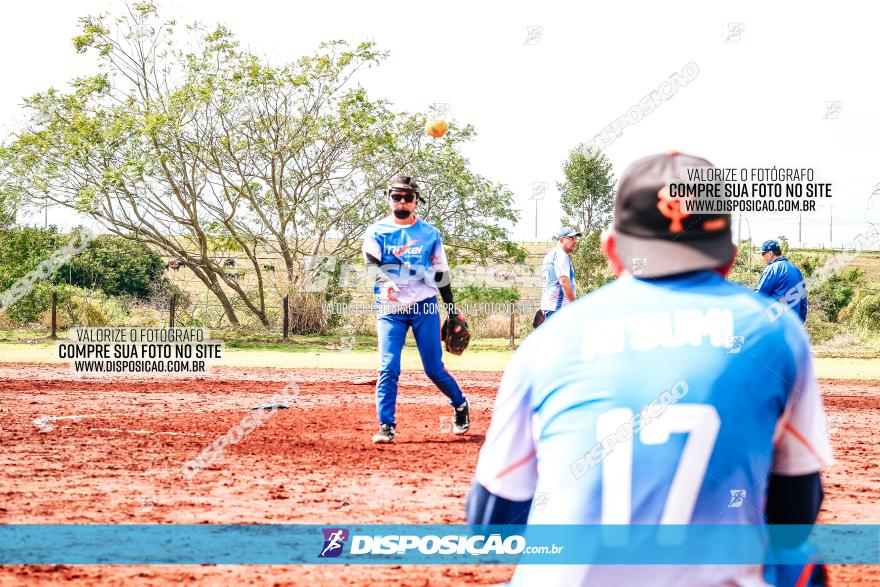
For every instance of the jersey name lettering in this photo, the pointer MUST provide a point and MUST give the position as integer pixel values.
(649, 330)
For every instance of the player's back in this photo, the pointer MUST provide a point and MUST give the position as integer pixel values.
(690, 368)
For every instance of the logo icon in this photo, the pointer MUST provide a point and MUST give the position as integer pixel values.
(334, 541)
(734, 344)
(539, 190)
(147, 503)
(639, 265)
(347, 500)
(44, 423)
(735, 32)
(446, 423)
(833, 422)
(317, 272)
(737, 497)
(541, 500)
(671, 208)
(439, 111)
(533, 35)
(346, 343)
(832, 109)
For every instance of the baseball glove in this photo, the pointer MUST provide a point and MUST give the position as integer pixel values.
(538, 319)
(455, 333)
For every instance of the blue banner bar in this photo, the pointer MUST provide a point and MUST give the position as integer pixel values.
(173, 544)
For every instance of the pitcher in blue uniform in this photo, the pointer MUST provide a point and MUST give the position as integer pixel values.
(407, 257)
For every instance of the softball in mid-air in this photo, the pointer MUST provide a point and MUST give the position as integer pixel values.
(436, 128)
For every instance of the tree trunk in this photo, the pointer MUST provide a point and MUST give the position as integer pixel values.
(210, 280)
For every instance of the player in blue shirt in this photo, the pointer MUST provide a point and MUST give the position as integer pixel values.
(411, 268)
(557, 273)
(657, 399)
(781, 280)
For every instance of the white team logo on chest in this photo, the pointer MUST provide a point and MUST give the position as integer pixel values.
(404, 250)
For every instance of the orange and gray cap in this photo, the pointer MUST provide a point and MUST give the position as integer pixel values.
(654, 233)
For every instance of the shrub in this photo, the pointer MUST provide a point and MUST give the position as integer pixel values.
(846, 314)
(31, 307)
(835, 293)
(846, 339)
(820, 330)
(85, 308)
(806, 262)
(867, 313)
(144, 317)
(486, 294)
(115, 265)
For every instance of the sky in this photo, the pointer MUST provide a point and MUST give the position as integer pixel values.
(537, 79)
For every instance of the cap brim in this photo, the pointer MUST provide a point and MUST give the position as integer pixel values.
(650, 257)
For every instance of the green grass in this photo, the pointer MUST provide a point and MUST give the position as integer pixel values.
(493, 357)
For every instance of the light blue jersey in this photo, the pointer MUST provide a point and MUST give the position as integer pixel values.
(411, 255)
(556, 263)
(664, 401)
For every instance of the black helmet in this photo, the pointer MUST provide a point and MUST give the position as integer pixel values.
(403, 183)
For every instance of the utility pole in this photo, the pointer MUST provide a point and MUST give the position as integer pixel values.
(536, 219)
(749, 224)
(539, 190)
(831, 225)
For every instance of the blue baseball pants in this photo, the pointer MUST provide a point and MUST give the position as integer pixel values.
(424, 318)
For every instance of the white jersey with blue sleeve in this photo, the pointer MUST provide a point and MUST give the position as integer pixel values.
(663, 401)
(411, 255)
(556, 263)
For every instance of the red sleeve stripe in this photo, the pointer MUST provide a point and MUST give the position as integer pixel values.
(803, 441)
(515, 465)
(804, 579)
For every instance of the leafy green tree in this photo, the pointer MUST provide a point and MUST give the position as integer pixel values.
(783, 244)
(115, 265)
(22, 248)
(9, 197)
(587, 198)
(7, 213)
(200, 147)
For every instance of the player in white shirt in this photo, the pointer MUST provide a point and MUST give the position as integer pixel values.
(557, 273)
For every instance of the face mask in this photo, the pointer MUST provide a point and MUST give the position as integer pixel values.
(402, 214)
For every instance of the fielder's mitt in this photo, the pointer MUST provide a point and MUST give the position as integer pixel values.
(538, 319)
(455, 333)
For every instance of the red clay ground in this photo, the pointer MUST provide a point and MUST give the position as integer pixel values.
(115, 454)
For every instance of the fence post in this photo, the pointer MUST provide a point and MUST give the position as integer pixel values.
(172, 309)
(286, 318)
(512, 316)
(54, 315)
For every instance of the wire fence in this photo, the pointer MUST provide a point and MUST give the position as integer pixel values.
(285, 316)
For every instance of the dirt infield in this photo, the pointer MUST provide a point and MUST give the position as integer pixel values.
(111, 451)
